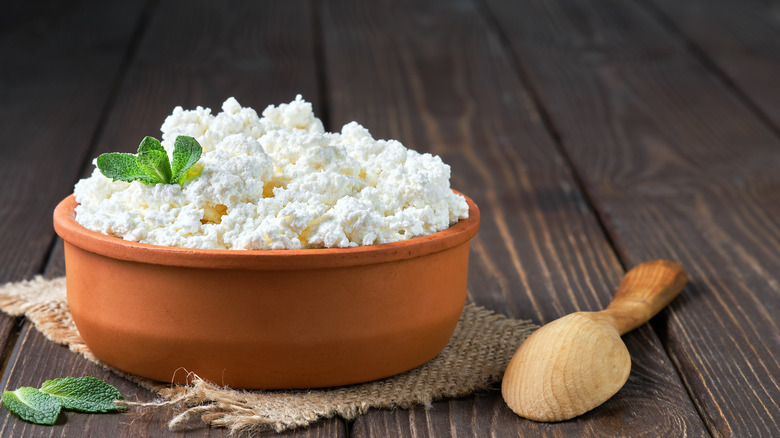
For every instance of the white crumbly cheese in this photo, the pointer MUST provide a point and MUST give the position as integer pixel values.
(277, 182)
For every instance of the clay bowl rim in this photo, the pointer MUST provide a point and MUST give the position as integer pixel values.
(284, 259)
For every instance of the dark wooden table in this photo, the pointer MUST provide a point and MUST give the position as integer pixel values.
(594, 135)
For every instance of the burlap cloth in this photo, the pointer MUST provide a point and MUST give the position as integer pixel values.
(474, 359)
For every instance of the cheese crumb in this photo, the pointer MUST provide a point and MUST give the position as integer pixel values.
(277, 182)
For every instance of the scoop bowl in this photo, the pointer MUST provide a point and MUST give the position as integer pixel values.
(578, 362)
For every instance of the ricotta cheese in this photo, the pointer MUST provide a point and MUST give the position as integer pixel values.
(277, 182)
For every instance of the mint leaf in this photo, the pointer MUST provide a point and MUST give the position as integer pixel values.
(151, 165)
(186, 152)
(86, 394)
(155, 164)
(32, 405)
(150, 144)
(43, 406)
(123, 167)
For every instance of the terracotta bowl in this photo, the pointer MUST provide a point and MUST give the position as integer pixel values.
(265, 319)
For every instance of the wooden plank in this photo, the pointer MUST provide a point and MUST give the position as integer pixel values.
(55, 80)
(55, 360)
(191, 53)
(261, 54)
(51, 361)
(741, 38)
(677, 166)
(54, 83)
(436, 77)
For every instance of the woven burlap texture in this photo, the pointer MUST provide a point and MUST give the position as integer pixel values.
(474, 359)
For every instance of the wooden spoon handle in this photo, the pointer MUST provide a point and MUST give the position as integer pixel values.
(644, 291)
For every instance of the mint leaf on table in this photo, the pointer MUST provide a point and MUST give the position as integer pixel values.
(86, 394)
(151, 165)
(43, 406)
(32, 405)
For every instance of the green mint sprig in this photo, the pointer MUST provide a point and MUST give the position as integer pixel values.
(43, 406)
(151, 165)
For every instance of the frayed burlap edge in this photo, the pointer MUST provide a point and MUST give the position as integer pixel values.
(474, 359)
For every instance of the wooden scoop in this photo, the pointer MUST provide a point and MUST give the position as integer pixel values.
(578, 362)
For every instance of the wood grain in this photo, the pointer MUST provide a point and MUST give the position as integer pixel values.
(678, 167)
(51, 360)
(261, 53)
(36, 359)
(55, 81)
(579, 360)
(741, 39)
(644, 291)
(437, 78)
(191, 53)
(654, 121)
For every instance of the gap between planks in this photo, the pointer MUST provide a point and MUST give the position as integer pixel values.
(700, 55)
(19, 323)
(549, 125)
